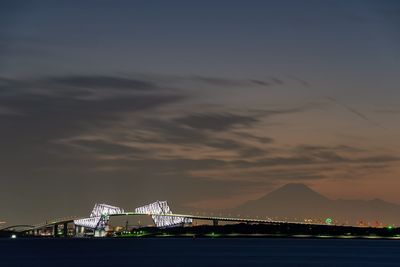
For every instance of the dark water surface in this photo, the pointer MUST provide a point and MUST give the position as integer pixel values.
(199, 252)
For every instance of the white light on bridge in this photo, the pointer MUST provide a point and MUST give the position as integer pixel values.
(99, 216)
(159, 211)
(104, 209)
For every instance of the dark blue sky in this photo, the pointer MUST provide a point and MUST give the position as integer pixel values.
(206, 103)
(227, 38)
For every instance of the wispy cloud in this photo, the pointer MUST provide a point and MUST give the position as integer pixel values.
(143, 129)
(6, 111)
(388, 111)
(354, 111)
(216, 122)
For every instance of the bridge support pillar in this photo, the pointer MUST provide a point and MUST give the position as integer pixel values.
(79, 230)
(215, 222)
(65, 230)
(55, 230)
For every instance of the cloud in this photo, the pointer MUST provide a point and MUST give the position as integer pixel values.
(217, 81)
(354, 111)
(120, 126)
(317, 148)
(229, 82)
(6, 111)
(388, 111)
(216, 122)
(274, 112)
(302, 163)
(270, 81)
(231, 153)
(53, 110)
(166, 138)
(98, 81)
(226, 121)
(225, 142)
(260, 139)
(106, 147)
(302, 82)
(86, 87)
(143, 132)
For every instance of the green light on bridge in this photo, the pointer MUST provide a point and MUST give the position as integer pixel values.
(212, 234)
(329, 221)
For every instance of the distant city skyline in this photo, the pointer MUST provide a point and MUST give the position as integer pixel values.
(207, 104)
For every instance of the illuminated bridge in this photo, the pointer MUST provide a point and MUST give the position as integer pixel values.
(99, 218)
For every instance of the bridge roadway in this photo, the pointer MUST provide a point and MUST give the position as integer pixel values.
(13, 227)
(50, 223)
(55, 221)
(214, 219)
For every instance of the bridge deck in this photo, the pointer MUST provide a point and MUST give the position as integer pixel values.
(215, 218)
(194, 217)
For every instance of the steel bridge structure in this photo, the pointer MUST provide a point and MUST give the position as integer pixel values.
(98, 221)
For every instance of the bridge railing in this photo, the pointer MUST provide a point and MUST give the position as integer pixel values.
(55, 221)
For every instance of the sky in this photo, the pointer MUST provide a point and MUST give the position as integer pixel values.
(206, 104)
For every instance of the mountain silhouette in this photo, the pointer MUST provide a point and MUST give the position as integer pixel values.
(298, 202)
(296, 191)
